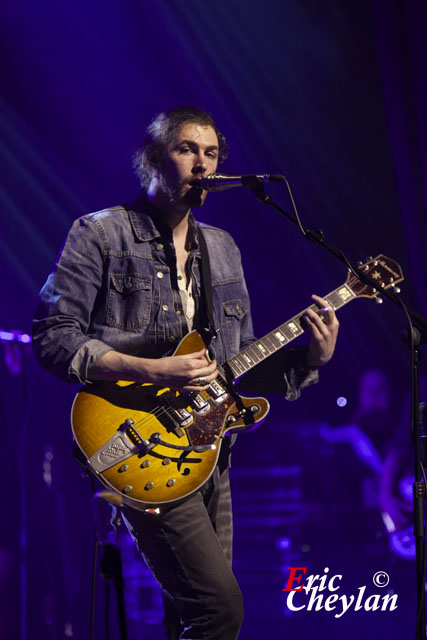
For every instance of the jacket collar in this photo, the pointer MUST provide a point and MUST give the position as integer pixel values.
(141, 218)
(147, 224)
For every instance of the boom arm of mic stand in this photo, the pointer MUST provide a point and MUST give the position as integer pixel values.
(317, 237)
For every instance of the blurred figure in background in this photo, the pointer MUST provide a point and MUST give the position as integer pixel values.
(357, 450)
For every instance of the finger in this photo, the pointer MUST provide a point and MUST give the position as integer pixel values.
(203, 380)
(196, 388)
(320, 328)
(316, 324)
(203, 368)
(195, 385)
(202, 376)
(321, 302)
(198, 355)
(324, 306)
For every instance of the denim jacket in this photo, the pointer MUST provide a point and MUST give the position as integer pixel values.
(113, 286)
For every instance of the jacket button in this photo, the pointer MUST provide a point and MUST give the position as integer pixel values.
(159, 246)
(171, 338)
(165, 307)
(160, 274)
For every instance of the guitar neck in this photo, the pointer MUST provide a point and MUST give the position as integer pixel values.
(283, 335)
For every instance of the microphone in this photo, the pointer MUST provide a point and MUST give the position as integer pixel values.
(219, 181)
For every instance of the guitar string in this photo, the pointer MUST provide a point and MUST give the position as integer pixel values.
(158, 412)
(162, 410)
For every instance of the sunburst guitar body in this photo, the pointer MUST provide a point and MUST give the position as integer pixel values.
(155, 445)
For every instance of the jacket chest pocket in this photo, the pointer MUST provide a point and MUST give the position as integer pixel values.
(234, 311)
(129, 301)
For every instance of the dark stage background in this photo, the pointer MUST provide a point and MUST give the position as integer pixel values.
(331, 94)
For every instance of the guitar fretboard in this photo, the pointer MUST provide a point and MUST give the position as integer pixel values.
(283, 335)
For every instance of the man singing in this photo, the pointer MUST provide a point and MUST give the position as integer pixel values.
(126, 288)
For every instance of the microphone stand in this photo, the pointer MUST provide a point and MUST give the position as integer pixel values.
(415, 336)
(108, 520)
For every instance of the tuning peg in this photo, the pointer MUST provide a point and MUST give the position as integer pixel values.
(379, 300)
(359, 263)
(369, 258)
(396, 289)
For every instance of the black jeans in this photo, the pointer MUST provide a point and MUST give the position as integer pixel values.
(188, 547)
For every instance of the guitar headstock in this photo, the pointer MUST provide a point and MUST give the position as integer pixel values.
(385, 271)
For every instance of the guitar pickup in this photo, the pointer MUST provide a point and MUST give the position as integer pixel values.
(183, 417)
(217, 392)
(200, 405)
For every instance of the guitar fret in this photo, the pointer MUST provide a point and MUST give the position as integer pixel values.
(344, 294)
(253, 353)
(264, 347)
(274, 341)
(280, 336)
(333, 300)
(247, 358)
(269, 343)
(286, 332)
(263, 350)
(234, 368)
(240, 363)
(294, 327)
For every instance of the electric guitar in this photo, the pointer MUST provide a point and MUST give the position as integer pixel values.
(157, 445)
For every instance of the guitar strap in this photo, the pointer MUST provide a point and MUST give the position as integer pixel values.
(206, 296)
(206, 288)
(209, 333)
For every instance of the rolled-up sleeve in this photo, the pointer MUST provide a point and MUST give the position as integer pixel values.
(61, 339)
(285, 372)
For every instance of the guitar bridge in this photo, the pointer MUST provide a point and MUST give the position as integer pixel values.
(125, 443)
(132, 433)
(115, 450)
